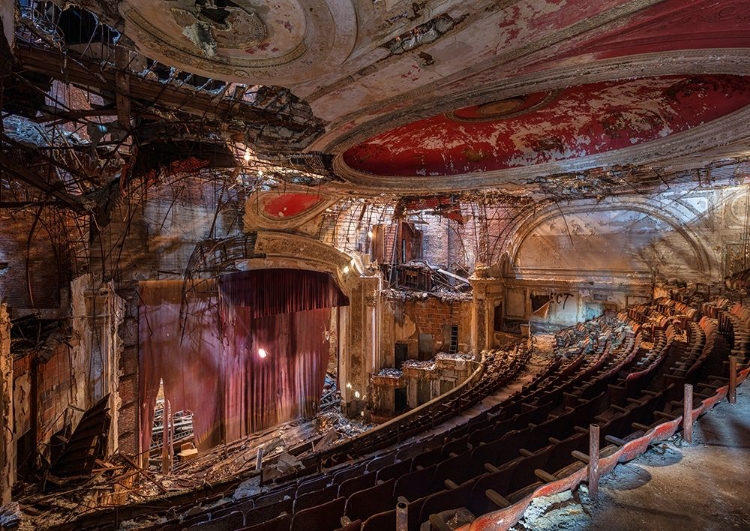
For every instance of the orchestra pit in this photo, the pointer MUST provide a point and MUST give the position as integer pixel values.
(373, 265)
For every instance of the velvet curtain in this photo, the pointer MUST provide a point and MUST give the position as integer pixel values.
(189, 362)
(212, 366)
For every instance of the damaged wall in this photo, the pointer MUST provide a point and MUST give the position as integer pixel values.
(424, 326)
(68, 372)
(154, 230)
(585, 256)
(32, 276)
(8, 453)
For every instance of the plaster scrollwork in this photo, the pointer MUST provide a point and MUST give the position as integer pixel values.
(430, 101)
(724, 130)
(257, 215)
(279, 43)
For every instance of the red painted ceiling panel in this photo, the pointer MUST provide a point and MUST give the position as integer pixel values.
(288, 205)
(538, 128)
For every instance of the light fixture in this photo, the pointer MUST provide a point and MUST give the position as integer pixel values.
(346, 269)
(349, 385)
(262, 353)
(247, 155)
(356, 394)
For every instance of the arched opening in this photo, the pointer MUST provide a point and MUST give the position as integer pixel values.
(248, 351)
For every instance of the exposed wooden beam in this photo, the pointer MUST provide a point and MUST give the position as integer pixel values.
(73, 202)
(98, 77)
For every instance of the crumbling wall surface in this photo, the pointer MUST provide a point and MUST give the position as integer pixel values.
(32, 275)
(404, 321)
(7, 442)
(586, 256)
(692, 233)
(97, 313)
(153, 232)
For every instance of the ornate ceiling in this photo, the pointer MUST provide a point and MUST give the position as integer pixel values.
(450, 95)
(550, 126)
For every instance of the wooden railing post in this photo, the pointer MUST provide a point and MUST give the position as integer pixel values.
(732, 395)
(687, 415)
(402, 514)
(259, 459)
(593, 461)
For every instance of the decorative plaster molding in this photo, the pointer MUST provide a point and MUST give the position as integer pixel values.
(321, 39)
(724, 130)
(430, 102)
(697, 242)
(256, 216)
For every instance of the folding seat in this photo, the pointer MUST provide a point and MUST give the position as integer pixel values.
(503, 450)
(311, 485)
(395, 470)
(457, 469)
(280, 523)
(276, 496)
(477, 502)
(322, 517)
(204, 516)
(381, 462)
(445, 500)
(417, 484)
(385, 521)
(352, 485)
(349, 472)
(242, 506)
(409, 451)
(560, 456)
(456, 446)
(266, 513)
(365, 503)
(427, 458)
(524, 472)
(229, 522)
(311, 499)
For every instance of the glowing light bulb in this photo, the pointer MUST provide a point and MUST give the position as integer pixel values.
(262, 353)
(346, 269)
(356, 394)
(247, 155)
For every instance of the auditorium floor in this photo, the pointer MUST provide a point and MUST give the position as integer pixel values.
(705, 486)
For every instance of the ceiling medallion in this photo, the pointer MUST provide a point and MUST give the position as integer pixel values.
(209, 27)
(504, 109)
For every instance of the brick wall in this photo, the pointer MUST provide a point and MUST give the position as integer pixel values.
(53, 392)
(435, 317)
(43, 271)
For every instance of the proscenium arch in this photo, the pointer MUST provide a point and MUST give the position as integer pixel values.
(696, 243)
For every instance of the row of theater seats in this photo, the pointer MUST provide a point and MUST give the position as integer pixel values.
(499, 368)
(623, 373)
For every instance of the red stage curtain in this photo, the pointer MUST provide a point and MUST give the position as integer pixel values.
(189, 364)
(275, 291)
(288, 382)
(212, 367)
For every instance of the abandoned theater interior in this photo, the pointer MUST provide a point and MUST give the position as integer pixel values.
(372, 264)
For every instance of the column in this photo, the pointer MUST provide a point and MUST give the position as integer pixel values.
(7, 442)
